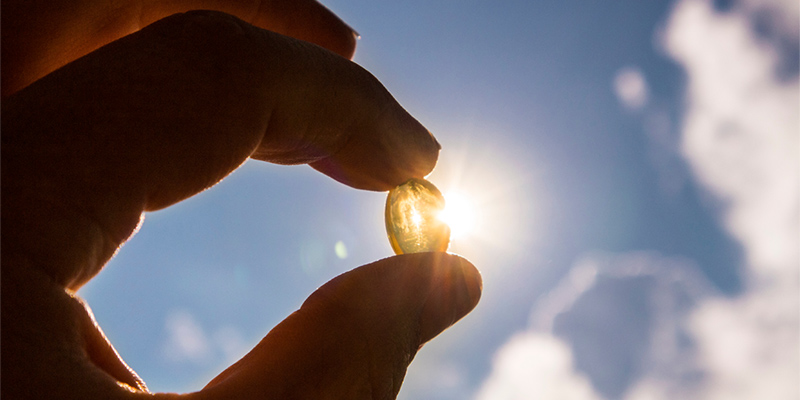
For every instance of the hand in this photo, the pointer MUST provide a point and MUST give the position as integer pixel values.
(159, 114)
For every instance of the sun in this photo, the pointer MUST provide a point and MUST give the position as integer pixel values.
(459, 214)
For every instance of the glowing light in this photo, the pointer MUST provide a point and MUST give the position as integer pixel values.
(459, 214)
(416, 219)
(340, 249)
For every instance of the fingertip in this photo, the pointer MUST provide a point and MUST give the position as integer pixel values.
(310, 21)
(383, 153)
(349, 44)
(333, 33)
(463, 275)
(376, 316)
(438, 288)
(473, 281)
(455, 291)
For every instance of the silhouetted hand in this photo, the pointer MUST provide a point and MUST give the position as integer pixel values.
(94, 136)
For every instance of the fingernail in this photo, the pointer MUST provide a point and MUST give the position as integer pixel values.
(455, 290)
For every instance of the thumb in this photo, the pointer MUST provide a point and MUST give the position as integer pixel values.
(356, 335)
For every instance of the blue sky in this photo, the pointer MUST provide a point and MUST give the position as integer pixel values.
(634, 170)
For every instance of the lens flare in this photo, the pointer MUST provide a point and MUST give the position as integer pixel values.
(459, 214)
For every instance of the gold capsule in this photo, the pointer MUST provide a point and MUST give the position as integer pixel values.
(412, 218)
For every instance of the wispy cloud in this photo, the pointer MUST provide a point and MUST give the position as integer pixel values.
(611, 321)
(187, 342)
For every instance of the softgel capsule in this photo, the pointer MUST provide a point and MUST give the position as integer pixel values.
(412, 218)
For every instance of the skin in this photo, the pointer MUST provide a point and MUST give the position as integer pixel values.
(112, 109)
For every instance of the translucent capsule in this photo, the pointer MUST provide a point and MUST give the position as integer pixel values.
(412, 218)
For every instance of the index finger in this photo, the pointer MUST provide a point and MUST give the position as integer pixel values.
(42, 36)
(167, 112)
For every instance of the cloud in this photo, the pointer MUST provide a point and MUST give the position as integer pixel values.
(630, 326)
(535, 366)
(614, 319)
(740, 137)
(631, 89)
(740, 132)
(782, 15)
(188, 342)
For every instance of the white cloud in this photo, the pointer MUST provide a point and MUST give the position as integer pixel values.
(535, 366)
(740, 132)
(631, 89)
(186, 340)
(740, 137)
